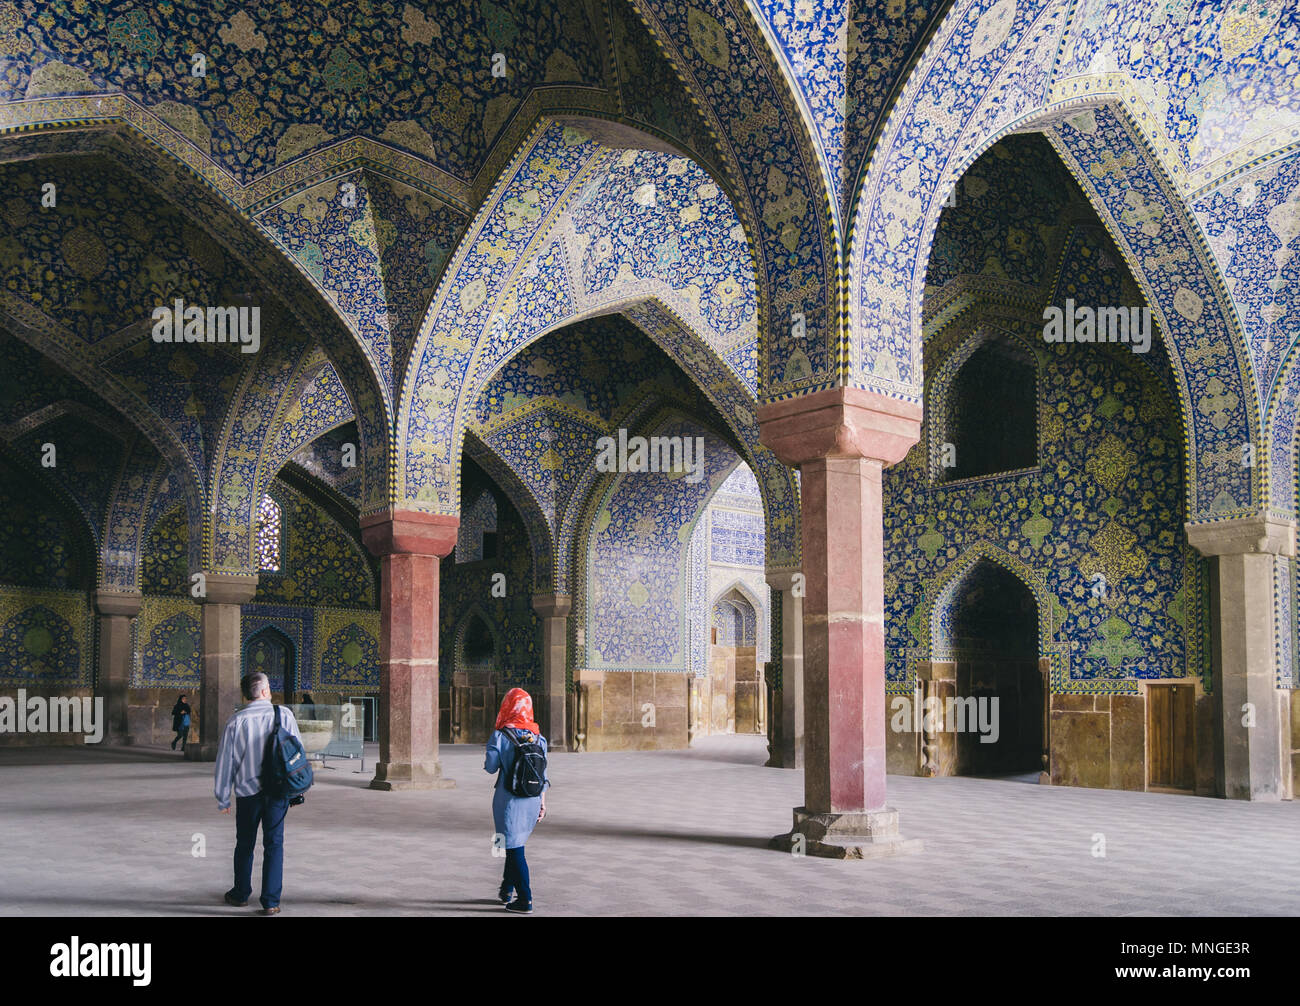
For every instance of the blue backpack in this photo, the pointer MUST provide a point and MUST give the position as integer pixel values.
(285, 768)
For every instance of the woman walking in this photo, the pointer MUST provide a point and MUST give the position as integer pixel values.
(181, 722)
(514, 817)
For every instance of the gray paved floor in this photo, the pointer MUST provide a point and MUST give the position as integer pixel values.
(93, 832)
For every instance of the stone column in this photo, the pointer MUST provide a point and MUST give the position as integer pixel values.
(842, 439)
(1045, 759)
(219, 689)
(116, 608)
(410, 546)
(1243, 650)
(937, 683)
(554, 611)
(791, 711)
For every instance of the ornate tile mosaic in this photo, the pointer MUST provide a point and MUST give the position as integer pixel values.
(169, 650)
(45, 546)
(281, 82)
(322, 564)
(1217, 77)
(47, 638)
(1101, 508)
(635, 591)
(1252, 223)
(467, 587)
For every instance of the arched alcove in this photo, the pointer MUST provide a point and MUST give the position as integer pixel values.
(991, 626)
(733, 667)
(990, 413)
(477, 646)
(272, 653)
(478, 671)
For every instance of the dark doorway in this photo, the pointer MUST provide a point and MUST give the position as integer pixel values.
(994, 631)
(271, 652)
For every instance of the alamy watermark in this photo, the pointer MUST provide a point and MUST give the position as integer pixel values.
(954, 714)
(39, 715)
(1130, 325)
(75, 959)
(652, 454)
(179, 323)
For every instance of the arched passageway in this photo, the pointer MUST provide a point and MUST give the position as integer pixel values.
(733, 700)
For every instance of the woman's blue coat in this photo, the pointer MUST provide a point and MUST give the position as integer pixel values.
(512, 816)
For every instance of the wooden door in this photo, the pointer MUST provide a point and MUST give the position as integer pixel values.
(1171, 717)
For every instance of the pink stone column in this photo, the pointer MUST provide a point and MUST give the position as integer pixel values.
(116, 609)
(222, 658)
(554, 610)
(841, 439)
(410, 546)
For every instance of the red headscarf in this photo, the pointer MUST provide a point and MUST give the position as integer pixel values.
(517, 711)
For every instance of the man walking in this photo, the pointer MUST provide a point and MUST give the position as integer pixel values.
(239, 765)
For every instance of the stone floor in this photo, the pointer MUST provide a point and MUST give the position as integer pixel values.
(88, 831)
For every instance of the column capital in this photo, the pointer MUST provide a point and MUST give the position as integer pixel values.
(781, 579)
(1259, 533)
(228, 588)
(409, 531)
(115, 601)
(552, 605)
(840, 423)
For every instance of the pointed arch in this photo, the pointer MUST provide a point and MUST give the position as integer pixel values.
(524, 502)
(759, 607)
(291, 671)
(474, 611)
(47, 337)
(939, 388)
(200, 197)
(81, 529)
(316, 387)
(934, 642)
(483, 313)
(742, 587)
(242, 465)
(1126, 184)
(594, 512)
(126, 520)
(719, 51)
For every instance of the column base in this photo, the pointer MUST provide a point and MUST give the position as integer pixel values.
(394, 777)
(201, 752)
(870, 834)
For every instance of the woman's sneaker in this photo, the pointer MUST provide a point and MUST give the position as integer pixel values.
(505, 894)
(520, 907)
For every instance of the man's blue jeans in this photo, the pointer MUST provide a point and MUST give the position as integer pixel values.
(250, 811)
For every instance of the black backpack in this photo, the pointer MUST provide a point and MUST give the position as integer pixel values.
(528, 774)
(285, 768)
